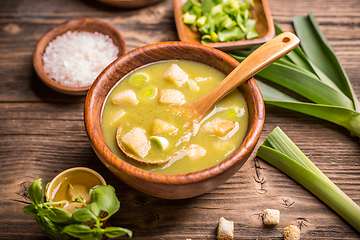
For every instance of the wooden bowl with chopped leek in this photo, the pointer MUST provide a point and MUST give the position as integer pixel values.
(70, 56)
(226, 25)
(119, 89)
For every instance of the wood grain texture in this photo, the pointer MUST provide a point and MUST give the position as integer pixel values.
(42, 132)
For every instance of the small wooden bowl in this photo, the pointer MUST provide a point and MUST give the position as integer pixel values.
(260, 12)
(129, 4)
(177, 186)
(83, 24)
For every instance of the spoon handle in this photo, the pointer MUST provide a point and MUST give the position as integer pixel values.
(262, 57)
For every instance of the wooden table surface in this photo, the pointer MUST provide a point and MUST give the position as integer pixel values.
(42, 132)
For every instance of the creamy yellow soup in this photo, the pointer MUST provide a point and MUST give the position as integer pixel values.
(144, 104)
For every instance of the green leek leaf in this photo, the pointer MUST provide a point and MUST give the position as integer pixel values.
(304, 83)
(344, 117)
(319, 52)
(35, 191)
(279, 151)
(296, 56)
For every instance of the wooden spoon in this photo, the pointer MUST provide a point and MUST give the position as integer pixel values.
(259, 59)
(262, 57)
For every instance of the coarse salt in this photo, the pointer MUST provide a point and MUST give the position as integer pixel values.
(76, 58)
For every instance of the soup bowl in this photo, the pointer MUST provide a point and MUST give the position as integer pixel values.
(171, 186)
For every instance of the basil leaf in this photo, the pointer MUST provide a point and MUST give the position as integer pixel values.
(35, 191)
(83, 215)
(105, 198)
(78, 231)
(29, 209)
(51, 229)
(96, 234)
(114, 232)
(60, 216)
(94, 208)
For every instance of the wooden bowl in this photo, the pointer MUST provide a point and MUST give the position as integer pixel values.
(83, 24)
(177, 186)
(260, 12)
(130, 3)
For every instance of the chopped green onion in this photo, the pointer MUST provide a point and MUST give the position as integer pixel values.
(279, 151)
(230, 35)
(138, 79)
(201, 21)
(220, 20)
(148, 92)
(162, 142)
(234, 112)
(189, 18)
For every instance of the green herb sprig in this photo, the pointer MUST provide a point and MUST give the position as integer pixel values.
(220, 21)
(315, 74)
(279, 151)
(59, 224)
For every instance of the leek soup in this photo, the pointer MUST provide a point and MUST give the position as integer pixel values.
(139, 111)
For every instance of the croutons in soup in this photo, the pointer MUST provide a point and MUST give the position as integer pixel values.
(143, 107)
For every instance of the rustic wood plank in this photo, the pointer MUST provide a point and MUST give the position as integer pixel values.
(42, 132)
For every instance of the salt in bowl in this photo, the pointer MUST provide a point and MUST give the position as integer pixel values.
(83, 24)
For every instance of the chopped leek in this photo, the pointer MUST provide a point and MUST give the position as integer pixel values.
(162, 142)
(220, 20)
(279, 151)
(189, 18)
(138, 79)
(316, 75)
(234, 112)
(148, 92)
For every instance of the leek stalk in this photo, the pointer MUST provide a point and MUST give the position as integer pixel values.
(315, 74)
(279, 151)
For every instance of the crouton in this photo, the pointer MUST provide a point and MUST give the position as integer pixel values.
(175, 74)
(160, 127)
(271, 217)
(225, 230)
(126, 97)
(219, 126)
(195, 151)
(291, 232)
(137, 141)
(171, 97)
